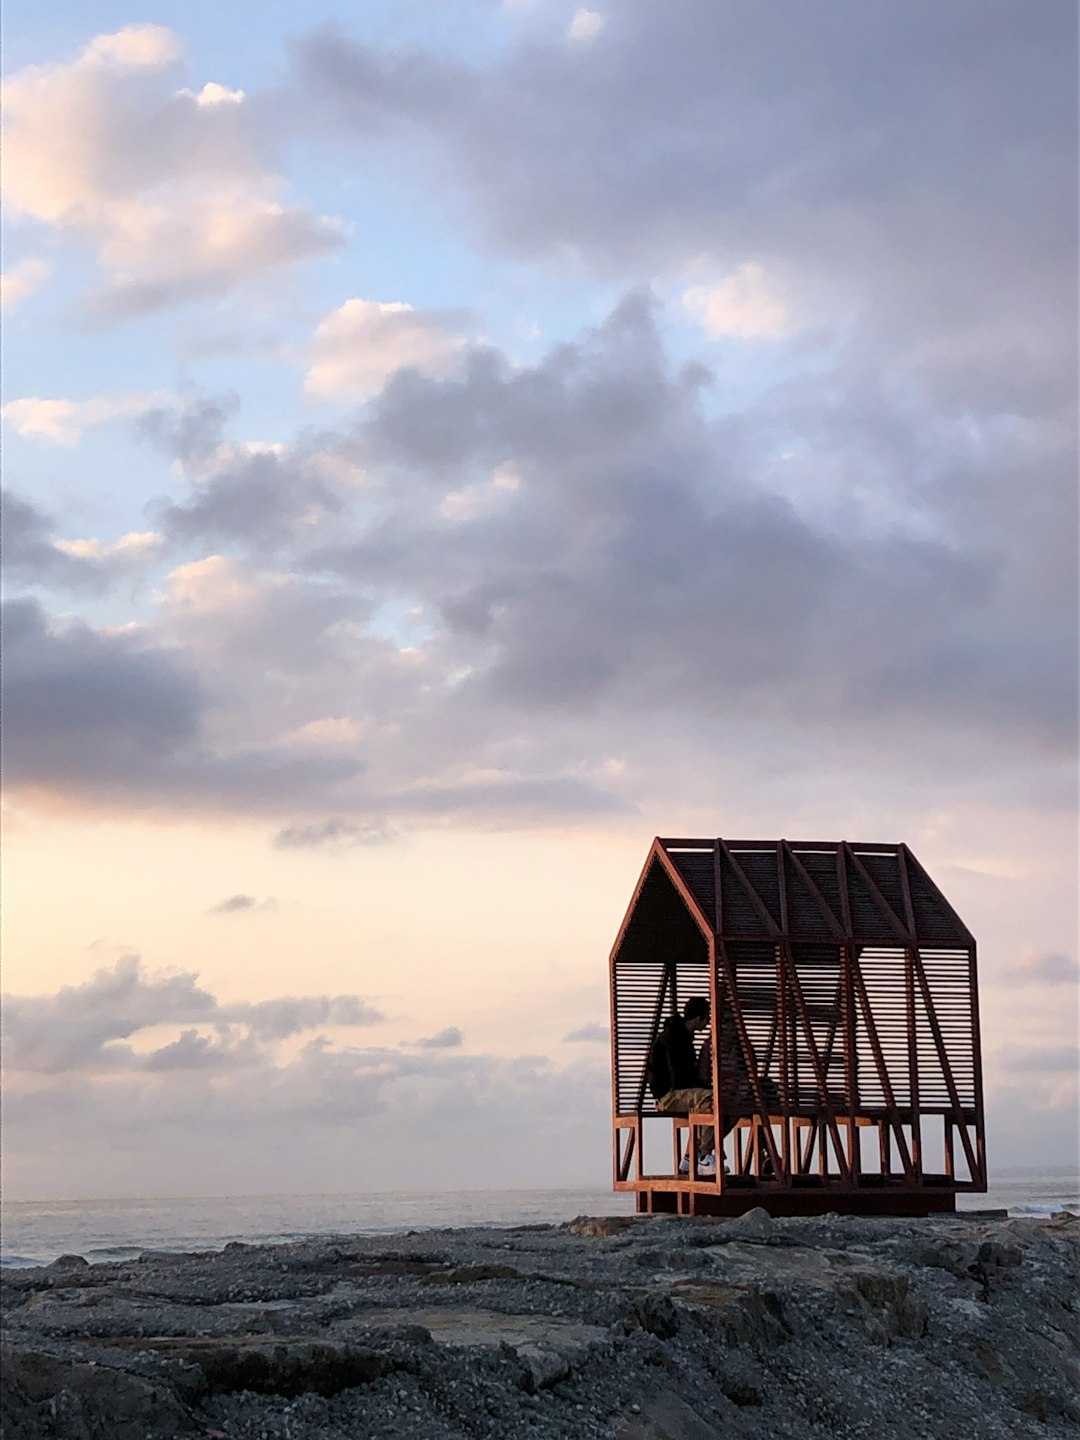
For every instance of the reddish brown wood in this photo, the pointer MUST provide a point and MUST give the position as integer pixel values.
(895, 986)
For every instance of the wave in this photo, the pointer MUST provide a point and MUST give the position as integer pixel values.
(1047, 1208)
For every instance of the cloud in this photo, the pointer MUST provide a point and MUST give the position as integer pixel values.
(259, 493)
(235, 904)
(174, 1088)
(111, 715)
(63, 422)
(72, 1029)
(175, 191)
(593, 1033)
(548, 564)
(1041, 1059)
(215, 94)
(87, 702)
(449, 1039)
(135, 47)
(860, 160)
(1038, 969)
(85, 1027)
(744, 306)
(22, 280)
(584, 27)
(137, 546)
(358, 346)
(33, 556)
(334, 834)
(699, 578)
(279, 1019)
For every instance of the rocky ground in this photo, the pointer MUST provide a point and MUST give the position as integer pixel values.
(640, 1329)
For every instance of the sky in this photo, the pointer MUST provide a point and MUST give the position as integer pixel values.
(449, 443)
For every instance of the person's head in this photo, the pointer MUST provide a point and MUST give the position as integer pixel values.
(696, 1013)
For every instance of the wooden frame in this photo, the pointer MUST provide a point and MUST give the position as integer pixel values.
(850, 984)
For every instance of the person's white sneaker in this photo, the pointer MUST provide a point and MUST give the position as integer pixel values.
(706, 1165)
(684, 1165)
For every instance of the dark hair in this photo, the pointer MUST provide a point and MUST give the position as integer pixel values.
(695, 1006)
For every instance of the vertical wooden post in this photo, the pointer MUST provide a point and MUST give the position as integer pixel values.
(714, 1046)
(913, 1064)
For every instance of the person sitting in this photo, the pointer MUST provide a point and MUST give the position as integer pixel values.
(674, 1080)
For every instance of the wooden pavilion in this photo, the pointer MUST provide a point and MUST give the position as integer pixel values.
(846, 983)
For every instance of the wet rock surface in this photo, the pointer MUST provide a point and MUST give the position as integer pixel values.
(626, 1329)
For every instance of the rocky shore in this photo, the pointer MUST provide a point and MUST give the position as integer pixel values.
(627, 1329)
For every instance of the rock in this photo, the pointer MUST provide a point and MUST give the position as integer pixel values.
(668, 1417)
(470, 1274)
(957, 1256)
(598, 1227)
(986, 1361)
(755, 1224)
(657, 1315)
(70, 1262)
(1033, 1402)
(543, 1368)
(743, 1314)
(885, 1307)
(47, 1396)
(847, 1328)
(293, 1368)
(742, 1394)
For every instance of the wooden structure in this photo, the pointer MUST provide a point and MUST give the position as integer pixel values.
(847, 984)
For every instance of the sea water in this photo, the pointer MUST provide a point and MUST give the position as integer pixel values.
(35, 1232)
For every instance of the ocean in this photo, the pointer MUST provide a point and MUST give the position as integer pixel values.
(34, 1232)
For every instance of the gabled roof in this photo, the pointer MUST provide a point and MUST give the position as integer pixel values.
(811, 890)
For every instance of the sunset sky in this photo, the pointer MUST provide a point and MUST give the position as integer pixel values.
(449, 443)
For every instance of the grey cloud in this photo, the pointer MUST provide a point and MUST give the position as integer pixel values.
(591, 1034)
(647, 578)
(1049, 967)
(372, 91)
(896, 171)
(326, 1112)
(291, 1015)
(190, 1051)
(683, 129)
(256, 498)
(235, 904)
(118, 716)
(85, 1027)
(260, 497)
(645, 563)
(194, 431)
(32, 556)
(82, 704)
(71, 1029)
(449, 1039)
(335, 834)
(1042, 1059)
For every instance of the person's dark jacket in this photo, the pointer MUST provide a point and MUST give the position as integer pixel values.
(672, 1060)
